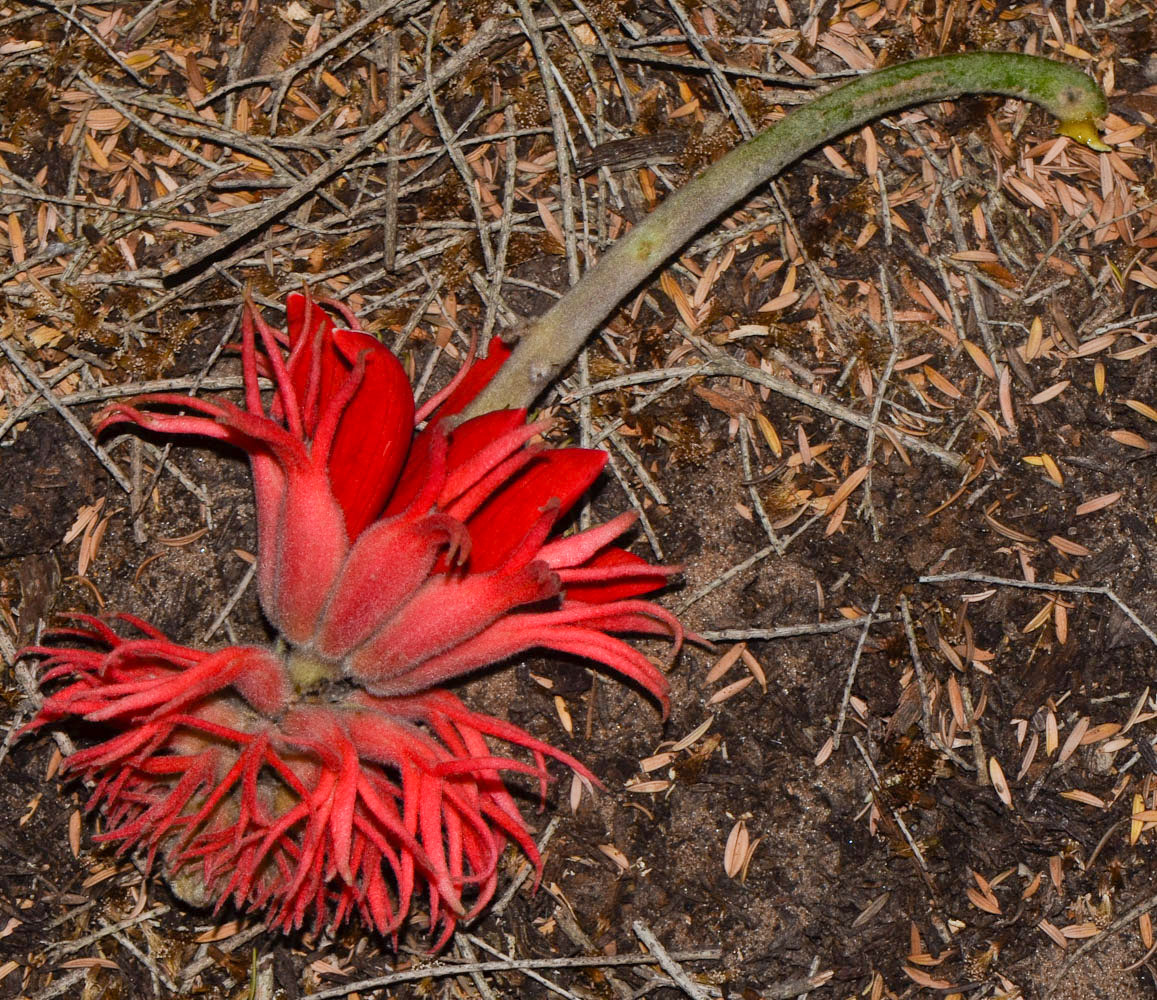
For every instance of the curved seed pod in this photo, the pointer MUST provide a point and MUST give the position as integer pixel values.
(548, 343)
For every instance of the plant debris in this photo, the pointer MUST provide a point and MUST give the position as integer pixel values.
(914, 375)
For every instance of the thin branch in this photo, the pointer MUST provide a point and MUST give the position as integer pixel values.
(792, 631)
(666, 962)
(97, 40)
(82, 432)
(443, 970)
(1055, 588)
(266, 211)
(867, 623)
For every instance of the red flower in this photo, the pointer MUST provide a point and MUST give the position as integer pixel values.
(333, 772)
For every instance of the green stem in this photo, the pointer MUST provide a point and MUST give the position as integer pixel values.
(550, 342)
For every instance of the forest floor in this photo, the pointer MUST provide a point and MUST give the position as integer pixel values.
(919, 760)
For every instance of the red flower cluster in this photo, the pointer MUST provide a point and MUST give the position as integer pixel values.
(333, 772)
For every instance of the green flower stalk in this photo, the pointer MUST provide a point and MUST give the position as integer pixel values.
(549, 343)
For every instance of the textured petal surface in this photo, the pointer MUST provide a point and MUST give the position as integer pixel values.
(332, 775)
(373, 437)
(475, 380)
(561, 476)
(386, 567)
(311, 549)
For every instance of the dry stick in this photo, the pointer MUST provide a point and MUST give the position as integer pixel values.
(454, 151)
(644, 521)
(994, 348)
(465, 948)
(1122, 921)
(1142, 960)
(811, 973)
(653, 57)
(292, 72)
(221, 134)
(568, 924)
(744, 441)
(918, 665)
(26, 187)
(443, 970)
(640, 469)
(750, 561)
(1061, 588)
(61, 948)
(26, 409)
(393, 166)
(719, 581)
(867, 623)
(26, 406)
(975, 739)
(158, 977)
(1122, 323)
(199, 965)
(885, 208)
(791, 988)
(792, 631)
(493, 293)
(820, 281)
(609, 52)
(49, 253)
(675, 376)
(61, 985)
(878, 402)
(126, 31)
(1055, 246)
(549, 343)
(238, 591)
(734, 105)
(466, 941)
(186, 192)
(268, 210)
(97, 40)
(140, 123)
(669, 382)
(78, 428)
(559, 129)
(606, 178)
(564, 156)
(917, 854)
(666, 962)
(524, 870)
(146, 213)
(953, 301)
(740, 369)
(137, 497)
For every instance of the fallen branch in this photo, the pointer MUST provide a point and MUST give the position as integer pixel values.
(268, 210)
(1056, 588)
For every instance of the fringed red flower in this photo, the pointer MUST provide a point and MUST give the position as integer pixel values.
(333, 772)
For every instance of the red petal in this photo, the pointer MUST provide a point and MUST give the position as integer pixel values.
(595, 592)
(310, 548)
(464, 475)
(373, 437)
(476, 379)
(373, 434)
(312, 355)
(470, 437)
(514, 634)
(465, 441)
(503, 520)
(384, 569)
(445, 612)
